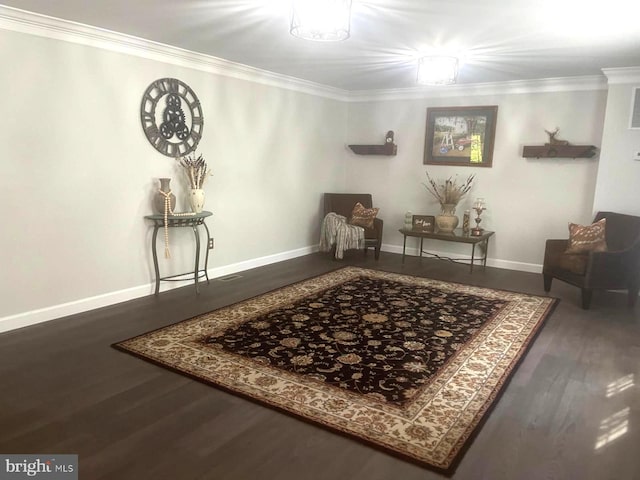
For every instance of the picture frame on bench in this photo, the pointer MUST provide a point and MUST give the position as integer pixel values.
(423, 223)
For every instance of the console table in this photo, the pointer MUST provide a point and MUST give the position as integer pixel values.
(456, 236)
(193, 221)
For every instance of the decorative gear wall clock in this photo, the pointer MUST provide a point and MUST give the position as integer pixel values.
(171, 117)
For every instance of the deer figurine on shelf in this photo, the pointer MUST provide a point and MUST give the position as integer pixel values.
(553, 140)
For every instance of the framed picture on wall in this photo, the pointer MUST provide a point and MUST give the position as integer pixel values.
(423, 223)
(461, 136)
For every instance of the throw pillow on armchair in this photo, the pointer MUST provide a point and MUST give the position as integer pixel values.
(363, 217)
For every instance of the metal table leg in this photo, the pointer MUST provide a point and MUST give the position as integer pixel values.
(197, 267)
(154, 249)
(486, 252)
(206, 256)
(404, 246)
(473, 252)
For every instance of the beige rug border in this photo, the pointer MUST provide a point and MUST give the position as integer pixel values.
(431, 430)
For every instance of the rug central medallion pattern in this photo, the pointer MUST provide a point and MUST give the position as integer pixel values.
(409, 364)
(377, 337)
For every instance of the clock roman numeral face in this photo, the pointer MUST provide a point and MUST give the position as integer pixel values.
(171, 117)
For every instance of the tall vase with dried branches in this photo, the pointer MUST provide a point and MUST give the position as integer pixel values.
(197, 172)
(448, 193)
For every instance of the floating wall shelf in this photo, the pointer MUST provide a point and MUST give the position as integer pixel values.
(389, 148)
(559, 151)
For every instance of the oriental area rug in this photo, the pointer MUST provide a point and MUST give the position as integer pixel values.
(407, 364)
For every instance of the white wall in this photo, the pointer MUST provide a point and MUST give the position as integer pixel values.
(528, 200)
(618, 172)
(77, 173)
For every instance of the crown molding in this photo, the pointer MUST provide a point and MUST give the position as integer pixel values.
(564, 84)
(22, 21)
(622, 75)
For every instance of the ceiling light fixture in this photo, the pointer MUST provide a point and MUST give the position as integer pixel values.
(437, 70)
(321, 20)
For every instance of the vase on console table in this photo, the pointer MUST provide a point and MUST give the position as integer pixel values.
(447, 220)
(160, 196)
(196, 199)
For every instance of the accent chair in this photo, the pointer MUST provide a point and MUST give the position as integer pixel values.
(616, 268)
(343, 203)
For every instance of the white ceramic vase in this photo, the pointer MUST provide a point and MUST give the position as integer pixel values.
(196, 199)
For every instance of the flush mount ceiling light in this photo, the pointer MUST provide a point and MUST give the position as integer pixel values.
(321, 20)
(437, 70)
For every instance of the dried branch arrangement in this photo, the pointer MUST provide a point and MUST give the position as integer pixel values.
(196, 170)
(449, 191)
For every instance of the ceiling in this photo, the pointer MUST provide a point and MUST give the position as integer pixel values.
(498, 40)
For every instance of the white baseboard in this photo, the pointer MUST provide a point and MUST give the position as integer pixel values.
(491, 262)
(34, 317)
(40, 315)
(511, 265)
(260, 262)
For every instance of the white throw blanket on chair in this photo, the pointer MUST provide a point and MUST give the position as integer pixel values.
(336, 231)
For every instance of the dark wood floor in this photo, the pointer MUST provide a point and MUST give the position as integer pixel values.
(571, 411)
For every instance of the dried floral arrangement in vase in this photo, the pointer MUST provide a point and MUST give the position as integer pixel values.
(197, 172)
(448, 193)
